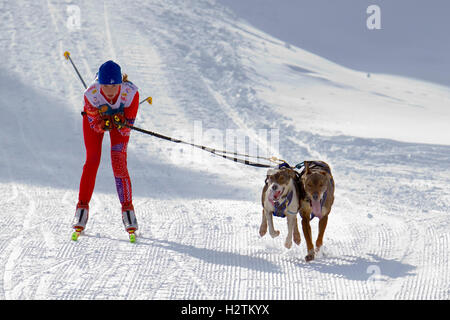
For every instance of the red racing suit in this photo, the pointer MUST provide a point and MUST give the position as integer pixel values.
(127, 102)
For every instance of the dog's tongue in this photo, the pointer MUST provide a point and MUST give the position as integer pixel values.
(316, 208)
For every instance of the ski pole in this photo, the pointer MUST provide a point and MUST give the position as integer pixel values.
(67, 56)
(148, 99)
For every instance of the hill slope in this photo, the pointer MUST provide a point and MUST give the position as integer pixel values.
(199, 215)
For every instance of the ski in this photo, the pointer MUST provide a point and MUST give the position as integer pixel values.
(76, 234)
(132, 236)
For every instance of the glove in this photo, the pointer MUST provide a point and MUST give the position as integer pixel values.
(119, 120)
(104, 123)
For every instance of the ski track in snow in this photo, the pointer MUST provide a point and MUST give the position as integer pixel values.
(387, 235)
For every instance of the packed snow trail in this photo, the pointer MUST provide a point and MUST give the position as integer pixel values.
(199, 215)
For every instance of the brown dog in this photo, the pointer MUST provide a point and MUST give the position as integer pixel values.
(316, 199)
(280, 197)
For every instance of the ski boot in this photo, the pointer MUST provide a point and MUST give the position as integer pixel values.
(80, 220)
(129, 221)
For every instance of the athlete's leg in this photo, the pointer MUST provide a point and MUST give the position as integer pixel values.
(119, 145)
(93, 144)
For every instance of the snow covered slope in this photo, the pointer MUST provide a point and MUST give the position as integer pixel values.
(411, 41)
(385, 137)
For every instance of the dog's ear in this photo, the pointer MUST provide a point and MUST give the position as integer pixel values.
(292, 174)
(307, 171)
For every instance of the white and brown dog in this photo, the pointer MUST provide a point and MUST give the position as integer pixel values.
(280, 197)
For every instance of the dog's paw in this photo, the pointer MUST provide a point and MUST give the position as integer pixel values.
(310, 256)
(275, 233)
(262, 231)
(288, 244)
(297, 239)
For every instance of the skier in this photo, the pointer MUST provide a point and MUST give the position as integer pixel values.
(109, 103)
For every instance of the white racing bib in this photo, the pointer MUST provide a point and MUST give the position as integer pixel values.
(126, 95)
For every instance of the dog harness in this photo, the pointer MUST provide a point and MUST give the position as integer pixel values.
(280, 208)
